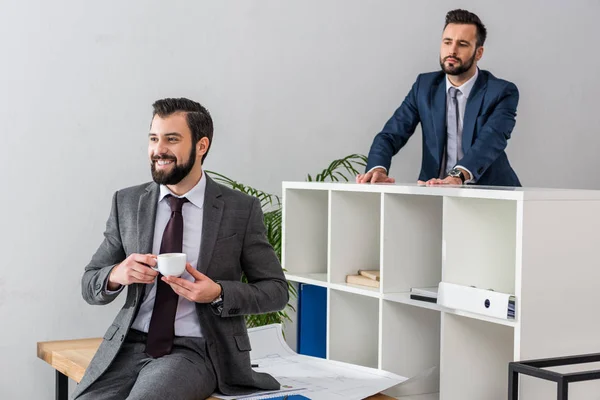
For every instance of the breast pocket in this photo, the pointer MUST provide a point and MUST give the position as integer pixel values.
(226, 238)
(227, 251)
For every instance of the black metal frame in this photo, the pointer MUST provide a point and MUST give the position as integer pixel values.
(62, 386)
(535, 368)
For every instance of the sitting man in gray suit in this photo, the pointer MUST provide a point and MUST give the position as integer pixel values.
(181, 338)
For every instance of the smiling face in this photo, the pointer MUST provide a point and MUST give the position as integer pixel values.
(459, 53)
(171, 150)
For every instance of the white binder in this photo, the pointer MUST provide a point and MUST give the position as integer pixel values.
(480, 301)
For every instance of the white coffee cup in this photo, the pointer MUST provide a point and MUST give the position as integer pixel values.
(171, 264)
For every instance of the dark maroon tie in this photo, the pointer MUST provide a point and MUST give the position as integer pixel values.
(162, 324)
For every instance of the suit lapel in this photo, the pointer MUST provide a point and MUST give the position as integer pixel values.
(438, 111)
(472, 110)
(146, 218)
(213, 211)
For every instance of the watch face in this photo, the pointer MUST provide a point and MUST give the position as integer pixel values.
(454, 172)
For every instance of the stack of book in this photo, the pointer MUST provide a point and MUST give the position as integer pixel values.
(511, 307)
(364, 277)
(429, 294)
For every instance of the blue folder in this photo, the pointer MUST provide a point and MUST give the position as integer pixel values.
(312, 320)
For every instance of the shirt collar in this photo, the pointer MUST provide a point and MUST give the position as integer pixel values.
(466, 87)
(195, 195)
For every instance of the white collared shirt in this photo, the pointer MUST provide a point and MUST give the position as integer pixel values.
(186, 319)
(462, 96)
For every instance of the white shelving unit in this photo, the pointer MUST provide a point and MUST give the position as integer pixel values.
(538, 244)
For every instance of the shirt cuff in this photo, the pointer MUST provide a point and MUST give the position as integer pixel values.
(106, 291)
(472, 180)
(378, 166)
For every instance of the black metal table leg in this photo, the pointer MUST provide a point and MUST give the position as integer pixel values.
(563, 389)
(62, 386)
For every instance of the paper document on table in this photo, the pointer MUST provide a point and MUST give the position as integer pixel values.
(425, 382)
(313, 377)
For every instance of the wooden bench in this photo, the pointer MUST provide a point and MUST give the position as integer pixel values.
(70, 358)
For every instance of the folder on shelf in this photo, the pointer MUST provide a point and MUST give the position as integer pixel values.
(312, 320)
(429, 294)
(480, 301)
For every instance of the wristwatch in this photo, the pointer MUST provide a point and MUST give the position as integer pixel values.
(217, 303)
(457, 173)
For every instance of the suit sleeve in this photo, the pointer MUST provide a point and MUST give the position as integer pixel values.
(267, 288)
(396, 132)
(109, 254)
(493, 136)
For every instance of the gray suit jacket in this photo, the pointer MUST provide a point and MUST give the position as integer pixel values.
(233, 241)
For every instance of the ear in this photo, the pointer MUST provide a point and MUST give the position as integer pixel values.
(202, 147)
(479, 53)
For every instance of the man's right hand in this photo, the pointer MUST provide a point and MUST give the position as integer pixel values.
(377, 175)
(134, 269)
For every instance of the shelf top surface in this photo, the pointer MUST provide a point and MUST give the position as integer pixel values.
(466, 191)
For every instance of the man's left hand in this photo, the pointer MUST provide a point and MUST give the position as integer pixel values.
(202, 290)
(449, 180)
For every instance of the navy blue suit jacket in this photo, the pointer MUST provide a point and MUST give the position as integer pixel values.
(487, 125)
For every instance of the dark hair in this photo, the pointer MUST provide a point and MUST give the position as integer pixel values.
(468, 18)
(197, 117)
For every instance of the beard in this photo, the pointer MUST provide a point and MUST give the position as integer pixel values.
(177, 173)
(459, 69)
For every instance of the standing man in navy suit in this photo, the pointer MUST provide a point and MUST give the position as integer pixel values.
(466, 115)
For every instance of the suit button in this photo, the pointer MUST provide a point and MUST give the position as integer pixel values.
(97, 286)
(122, 337)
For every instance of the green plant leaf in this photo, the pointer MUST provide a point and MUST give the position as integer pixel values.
(343, 169)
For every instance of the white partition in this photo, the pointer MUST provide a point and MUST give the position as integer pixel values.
(539, 245)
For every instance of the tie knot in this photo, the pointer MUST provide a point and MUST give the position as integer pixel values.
(453, 92)
(176, 203)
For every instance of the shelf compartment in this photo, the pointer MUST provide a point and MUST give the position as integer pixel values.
(410, 346)
(479, 243)
(354, 235)
(304, 250)
(412, 241)
(474, 354)
(353, 328)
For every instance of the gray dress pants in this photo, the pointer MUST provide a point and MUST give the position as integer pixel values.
(185, 374)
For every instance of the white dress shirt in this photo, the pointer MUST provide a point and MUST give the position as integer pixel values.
(462, 97)
(186, 319)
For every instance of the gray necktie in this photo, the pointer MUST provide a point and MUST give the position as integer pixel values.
(452, 143)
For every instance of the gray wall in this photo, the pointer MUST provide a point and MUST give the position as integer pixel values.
(291, 86)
